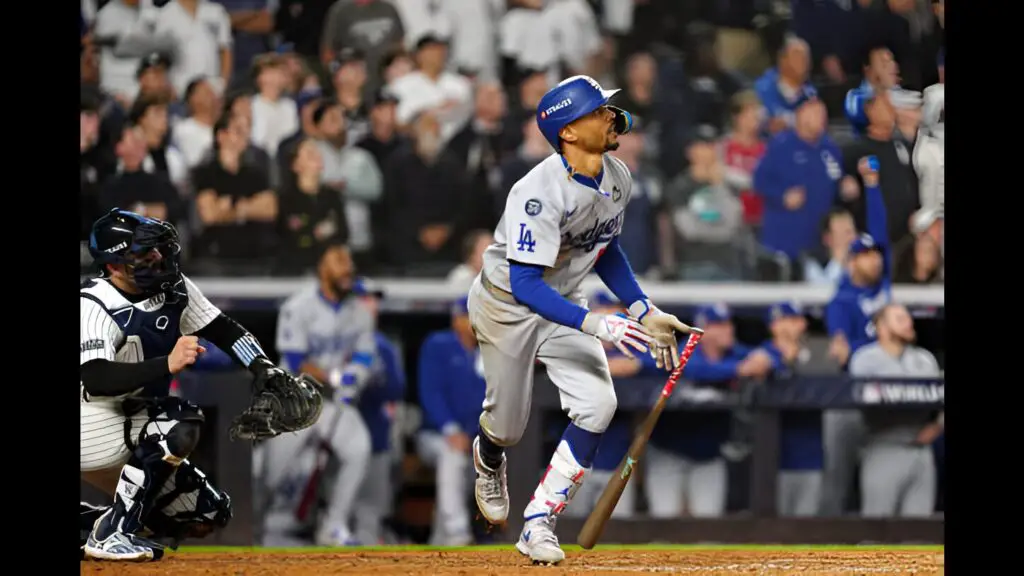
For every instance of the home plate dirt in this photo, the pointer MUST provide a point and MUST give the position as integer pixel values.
(499, 563)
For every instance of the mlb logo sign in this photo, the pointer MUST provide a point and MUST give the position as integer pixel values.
(871, 394)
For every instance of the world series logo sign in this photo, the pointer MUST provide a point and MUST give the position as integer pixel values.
(882, 393)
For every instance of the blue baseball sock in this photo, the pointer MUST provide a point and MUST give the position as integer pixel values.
(583, 444)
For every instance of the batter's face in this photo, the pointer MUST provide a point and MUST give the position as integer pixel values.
(594, 133)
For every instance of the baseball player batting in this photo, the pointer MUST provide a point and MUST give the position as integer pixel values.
(140, 324)
(561, 221)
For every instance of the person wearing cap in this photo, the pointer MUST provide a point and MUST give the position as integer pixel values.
(882, 139)
(352, 173)
(781, 88)
(274, 115)
(378, 405)
(450, 379)
(306, 101)
(152, 77)
(374, 27)
(685, 468)
(193, 135)
(325, 331)
(798, 178)
(897, 474)
(801, 455)
(864, 290)
(706, 216)
(383, 137)
(432, 88)
(617, 438)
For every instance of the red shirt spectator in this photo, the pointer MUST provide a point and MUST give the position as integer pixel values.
(741, 150)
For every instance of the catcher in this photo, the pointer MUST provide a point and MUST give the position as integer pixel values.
(140, 323)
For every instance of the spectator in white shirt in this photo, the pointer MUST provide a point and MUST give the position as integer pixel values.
(423, 17)
(573, 28)
(474, 36)
(274, 116)
(202, 30)
(447, 95)
(526, 40)
(123, 37)
(193, 136)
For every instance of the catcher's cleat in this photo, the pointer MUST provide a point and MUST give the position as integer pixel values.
(539, 543)
(106, 542)
(490, 488)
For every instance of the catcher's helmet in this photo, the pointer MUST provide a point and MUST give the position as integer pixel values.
(570, 100)
(123, 237)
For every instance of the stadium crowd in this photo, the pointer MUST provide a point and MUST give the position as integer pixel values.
(263, 128)
(272, 131)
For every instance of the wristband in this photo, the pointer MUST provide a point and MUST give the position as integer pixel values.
(641, 308)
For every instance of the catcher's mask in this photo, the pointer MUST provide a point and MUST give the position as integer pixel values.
(147, 247)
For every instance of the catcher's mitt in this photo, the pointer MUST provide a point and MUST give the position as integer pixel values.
(280, 403)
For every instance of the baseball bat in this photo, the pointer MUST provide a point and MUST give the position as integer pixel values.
(598, 518)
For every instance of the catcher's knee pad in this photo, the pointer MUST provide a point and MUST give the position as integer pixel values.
(175, 425)
(189, 506)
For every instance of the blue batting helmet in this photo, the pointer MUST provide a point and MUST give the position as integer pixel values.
(571, 99)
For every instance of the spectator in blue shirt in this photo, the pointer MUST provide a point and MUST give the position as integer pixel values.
(616, 439)
(451, 390)
(798, 178)
(798, 492)
(685, 466)
(783, 88)
(378, 404)
(881, 73)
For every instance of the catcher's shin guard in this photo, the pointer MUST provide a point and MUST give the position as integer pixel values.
(188, 506)
(169, 437)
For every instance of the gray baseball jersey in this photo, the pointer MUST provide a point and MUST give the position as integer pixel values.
(330, 335)
(552, 220)
(895, 426)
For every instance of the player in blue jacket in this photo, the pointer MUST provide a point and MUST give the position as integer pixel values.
(864, 290)
(800, 452)
(377, 405)
(798, 178)
(684, 458)
(451, 390)
(616, 439)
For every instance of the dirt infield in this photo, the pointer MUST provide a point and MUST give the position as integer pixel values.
(500, 563)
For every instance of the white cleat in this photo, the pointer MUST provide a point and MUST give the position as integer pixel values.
(335, 536)
(490, 488)
(538, 541)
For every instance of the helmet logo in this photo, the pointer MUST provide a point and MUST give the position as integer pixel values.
(120, 246)
(563, 104)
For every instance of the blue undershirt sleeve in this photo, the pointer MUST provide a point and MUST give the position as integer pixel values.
(614, 270)
(530, 289)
